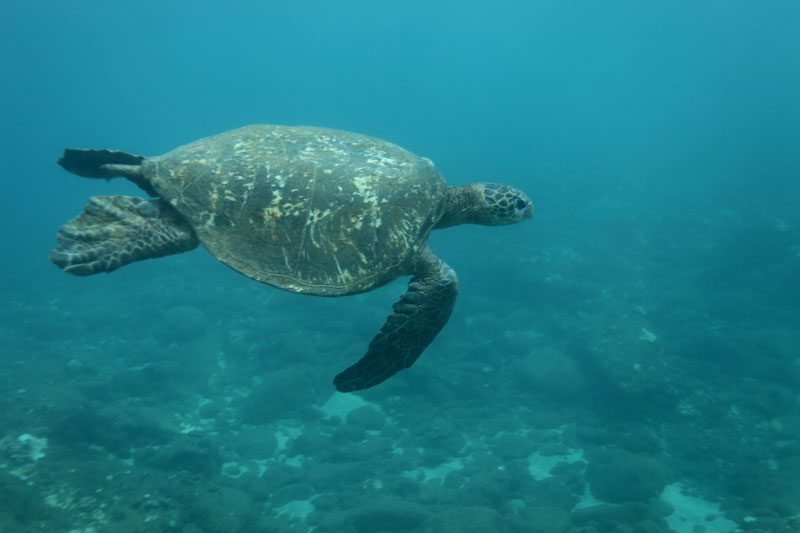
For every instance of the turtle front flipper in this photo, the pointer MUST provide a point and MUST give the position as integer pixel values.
(417, 318)
(113, 231)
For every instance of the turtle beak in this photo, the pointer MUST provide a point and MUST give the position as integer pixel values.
(528, 213)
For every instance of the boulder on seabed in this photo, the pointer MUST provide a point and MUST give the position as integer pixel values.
(619, 477)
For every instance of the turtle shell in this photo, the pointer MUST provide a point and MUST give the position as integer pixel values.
(306, 209)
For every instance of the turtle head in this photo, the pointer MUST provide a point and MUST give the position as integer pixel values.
(501, 205)
(488, 204)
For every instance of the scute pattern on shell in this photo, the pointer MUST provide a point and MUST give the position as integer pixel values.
(307, 209)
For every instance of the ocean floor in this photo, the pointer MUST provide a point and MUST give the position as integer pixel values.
(137, 402)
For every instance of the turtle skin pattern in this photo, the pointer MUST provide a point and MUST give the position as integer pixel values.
(416, 319)
(113, 231)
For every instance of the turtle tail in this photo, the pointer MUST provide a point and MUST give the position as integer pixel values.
(106, 164)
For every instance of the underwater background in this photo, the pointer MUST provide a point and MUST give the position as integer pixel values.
(627, 361)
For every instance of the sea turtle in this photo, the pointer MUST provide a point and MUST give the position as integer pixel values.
(305, 209)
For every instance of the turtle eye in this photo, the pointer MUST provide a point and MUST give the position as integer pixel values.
(521, 204)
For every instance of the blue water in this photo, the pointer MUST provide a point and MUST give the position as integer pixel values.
(642, 333)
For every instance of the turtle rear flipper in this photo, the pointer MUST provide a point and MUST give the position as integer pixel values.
(417, 318)
(106, 164)
(113, 231)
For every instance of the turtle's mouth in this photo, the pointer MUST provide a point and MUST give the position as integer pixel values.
(528, 211)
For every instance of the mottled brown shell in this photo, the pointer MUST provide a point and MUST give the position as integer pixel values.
(306, 209)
